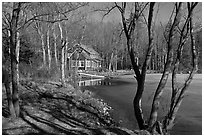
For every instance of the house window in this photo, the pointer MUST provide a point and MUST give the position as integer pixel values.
(82, 63)
(73, 63)
(88, 63)
(93, 64)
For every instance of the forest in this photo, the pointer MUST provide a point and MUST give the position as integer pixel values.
(37, 36)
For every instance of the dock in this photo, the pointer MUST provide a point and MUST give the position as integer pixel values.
(91, 75)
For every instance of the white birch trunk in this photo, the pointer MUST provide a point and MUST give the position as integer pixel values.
(62, 67)
(17, 55)
(62, 55)
(48, 49)
(43, 48)
(55, 48)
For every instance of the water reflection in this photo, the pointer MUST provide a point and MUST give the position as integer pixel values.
(93, 82)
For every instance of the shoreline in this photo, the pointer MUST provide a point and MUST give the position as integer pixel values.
(49, 109)
(125, 86)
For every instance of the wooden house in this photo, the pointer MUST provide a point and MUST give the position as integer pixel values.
(84, 57)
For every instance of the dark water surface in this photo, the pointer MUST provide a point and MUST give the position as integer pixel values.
(119, 94)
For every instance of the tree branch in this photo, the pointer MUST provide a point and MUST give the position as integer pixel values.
(178, 92)
(36, 17)
(150, 36)
(109, 10)
(167, 68)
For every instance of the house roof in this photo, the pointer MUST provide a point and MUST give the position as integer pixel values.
(86, 55)
(88, 51)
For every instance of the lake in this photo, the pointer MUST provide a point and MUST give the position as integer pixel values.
(119, 93)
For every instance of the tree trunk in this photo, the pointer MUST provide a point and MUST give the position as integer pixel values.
(43, 49)
(167, 69)
(17, 54)
(141, 76)
(137, 103)
(65, 56)
(55, 48)
(48, 49)
(42, 44)
(6, 79)
(121, 62)
(14, 62)
(15, 94)
(63, 44)
(62, 66)
(178, 93)
(107, 61)
(111, 63)
(116, 62)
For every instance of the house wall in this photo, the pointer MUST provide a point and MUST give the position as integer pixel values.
(83, 61)
(85, 64)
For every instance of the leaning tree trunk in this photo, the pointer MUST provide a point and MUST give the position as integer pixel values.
(14, 62)
(178, 92)
(167, 68)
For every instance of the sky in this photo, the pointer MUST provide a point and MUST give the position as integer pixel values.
(165, 10)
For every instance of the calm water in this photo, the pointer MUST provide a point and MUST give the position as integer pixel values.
(119, 94)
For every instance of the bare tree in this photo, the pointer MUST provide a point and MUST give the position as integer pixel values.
(167, 68)
(14, 21)
(178, 92)
(170, 64)
(13, 55)
(129, 28)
